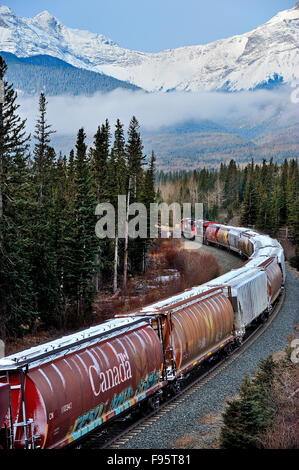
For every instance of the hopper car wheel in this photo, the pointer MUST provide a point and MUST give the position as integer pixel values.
(229, 349)
(139, 410)
(154, 402)
(175, 387)
(238, 342)
(264, 317)
(144, 408)
(270, 310)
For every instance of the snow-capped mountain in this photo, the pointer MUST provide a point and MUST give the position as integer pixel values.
(243, 62)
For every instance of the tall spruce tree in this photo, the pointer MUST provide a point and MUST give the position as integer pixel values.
(43, 154)
(99, 155)
(116, 186)
(135, 161)
(85, 243)
(43, 252)
(99, 160)
(249, 205)
(246, 418)
(148, 197)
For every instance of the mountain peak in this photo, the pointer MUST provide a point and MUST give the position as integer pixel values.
(45, 18)
(288, 15)
(44, 14)
(4, 10)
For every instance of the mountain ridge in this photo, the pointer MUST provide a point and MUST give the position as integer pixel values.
(48, 74)
(241, 62)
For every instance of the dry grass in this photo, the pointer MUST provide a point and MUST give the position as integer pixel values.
(200, 440)
(288, 248)
(195, 268)
(168, 258)
(211, 419)
(186, 442)
(284, 433)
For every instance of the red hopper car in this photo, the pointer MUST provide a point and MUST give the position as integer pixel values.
(62, 390)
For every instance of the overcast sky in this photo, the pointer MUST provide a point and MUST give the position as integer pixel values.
(155, 25)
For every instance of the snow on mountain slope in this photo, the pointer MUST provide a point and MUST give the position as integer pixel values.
(241, 62)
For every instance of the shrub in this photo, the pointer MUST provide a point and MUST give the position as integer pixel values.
(246, 418)
(265, 415)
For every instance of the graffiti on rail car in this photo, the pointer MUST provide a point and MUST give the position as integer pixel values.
(120, 398)
(148, 382)
(120, 402)
(88, 418)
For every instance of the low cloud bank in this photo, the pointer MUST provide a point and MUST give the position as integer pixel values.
(155, 110)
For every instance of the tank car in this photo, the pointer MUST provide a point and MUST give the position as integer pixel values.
(4, 402)
(211, 233)
(222, 236)
(246, 244)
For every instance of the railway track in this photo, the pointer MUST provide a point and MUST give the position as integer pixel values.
(119, 432)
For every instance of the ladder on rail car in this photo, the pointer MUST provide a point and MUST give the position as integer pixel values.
(30, 443)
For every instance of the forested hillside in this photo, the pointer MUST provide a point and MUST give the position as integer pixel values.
(206, 144)
(43, 73)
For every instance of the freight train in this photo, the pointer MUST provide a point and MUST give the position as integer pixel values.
(54, 394)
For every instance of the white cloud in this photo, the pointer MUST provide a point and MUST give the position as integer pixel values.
(154, 110)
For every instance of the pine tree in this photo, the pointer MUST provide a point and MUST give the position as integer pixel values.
(135, 160)
(43, 259)
(81, 264)
(231, 186)
(148, 197)
(13, 139)
(99, 161)
(43, 154)
(283, 193)
(117, 176)
(149, 192)
(249, 205)
(59, 223)
(246, 418)
(99, 156)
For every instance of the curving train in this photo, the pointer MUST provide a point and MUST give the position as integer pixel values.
(54, 394)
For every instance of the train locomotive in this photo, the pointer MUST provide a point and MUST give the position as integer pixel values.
(54, 394)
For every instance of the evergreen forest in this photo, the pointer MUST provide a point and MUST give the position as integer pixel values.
(52, 264)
